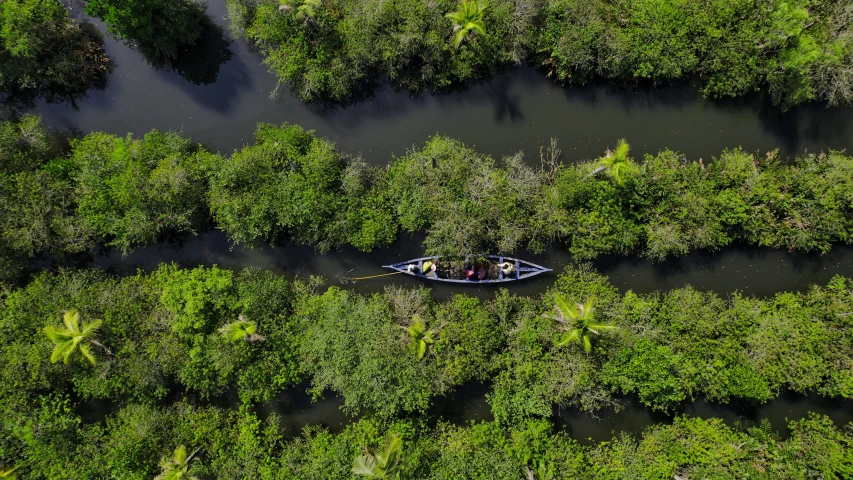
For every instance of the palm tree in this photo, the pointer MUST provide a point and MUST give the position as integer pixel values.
(420, 337)
(73, 337)
(242, 329)
(304, 9)
(384, 465)
(617, 162)
(8, 474)
(577, 322)
(469, 19)
(177, 467)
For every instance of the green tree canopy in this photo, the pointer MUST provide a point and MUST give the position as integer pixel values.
(74, 337)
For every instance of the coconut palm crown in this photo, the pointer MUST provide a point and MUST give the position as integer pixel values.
(74, 337)
(177, 467)
(302, 9)
(384, 465)
(420, 337)
(577, 321)
(468, 20)
(617, 162)
(242, 329)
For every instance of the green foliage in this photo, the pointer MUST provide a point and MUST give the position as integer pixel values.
(337, 49)
(74, 337)
(348, 44)
(617, 163)
(577, 323)
(44, 53)
(301, 9)
(385, 464)
(351, 346)
(465, 202)
(159, 28)
(468, 20)
(134, 192)
(242, 329)
(294, 186)
(161, 329)
(420, 337)
(178, 466)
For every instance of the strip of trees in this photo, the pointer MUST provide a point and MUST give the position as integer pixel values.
(164, 344)
(799, 50)
(292, 186)
(582, 344)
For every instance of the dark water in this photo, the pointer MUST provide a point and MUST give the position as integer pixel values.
(754, 271)
(296, 410)
(219, 90)
(222, 90)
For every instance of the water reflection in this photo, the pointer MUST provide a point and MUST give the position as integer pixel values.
(199, 64)
(86, 46)
(634, 417)
(754, 271)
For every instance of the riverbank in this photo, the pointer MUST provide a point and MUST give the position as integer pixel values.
(292, 186)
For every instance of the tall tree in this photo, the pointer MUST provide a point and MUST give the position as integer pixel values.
(301, 9)
(242, 329)
(177, 467)
(420, 337)
(617, 163)
(577, 322)
(385, 464)
(468, 20)
(73, 337)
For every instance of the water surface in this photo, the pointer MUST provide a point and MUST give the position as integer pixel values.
(222, 90)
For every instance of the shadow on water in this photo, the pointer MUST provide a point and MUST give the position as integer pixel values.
(199, 64)
(633, 418)
(296, 410)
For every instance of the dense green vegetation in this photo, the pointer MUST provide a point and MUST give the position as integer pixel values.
(206, 330)
(50, 438)
(800, 50)
(293, 186)
(148, 339)
(44, 53)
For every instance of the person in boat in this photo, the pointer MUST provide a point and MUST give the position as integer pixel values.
(412, 268)
(431, 268)
(483, 271)
(470, 274)
(507, 268)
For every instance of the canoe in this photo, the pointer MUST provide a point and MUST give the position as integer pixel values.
(523, 270)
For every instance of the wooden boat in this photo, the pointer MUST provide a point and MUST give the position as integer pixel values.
(522, 270)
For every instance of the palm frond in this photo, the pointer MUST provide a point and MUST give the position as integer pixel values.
(71, 319)
(587, 344)
(242, 329)
(573, 335)
(89, 328)
(389, 458)
(87, 353)
(364, 465)
(180, 455)
(563, 307)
